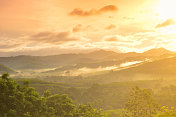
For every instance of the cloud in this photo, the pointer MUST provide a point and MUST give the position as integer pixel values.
(111, 39)
(11, 43)
(80, 12)
(45, 43)
(40, 41)
(138, 42)
(53, 37)
(77, 28)
(108, 8)
(166, 23)
(9, 46)
(81, 27)
(122, 40)
(110, 27)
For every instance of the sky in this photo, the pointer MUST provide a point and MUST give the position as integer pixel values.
(48, 27)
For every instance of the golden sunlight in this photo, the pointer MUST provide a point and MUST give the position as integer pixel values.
(87, 58)
(166, 9)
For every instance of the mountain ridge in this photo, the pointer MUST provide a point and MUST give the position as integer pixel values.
(52, 61)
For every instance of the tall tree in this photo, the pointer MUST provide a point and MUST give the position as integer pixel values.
(141, 103)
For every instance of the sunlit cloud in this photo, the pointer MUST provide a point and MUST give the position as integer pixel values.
(81, 27)
(77, 28)
(110, 27)
(166, 23)
(11, 43)
(80, 12)
(53, 37)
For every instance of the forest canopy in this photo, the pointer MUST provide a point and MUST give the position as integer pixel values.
(21, 100)
(25, 101)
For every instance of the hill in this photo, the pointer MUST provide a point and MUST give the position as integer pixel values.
(4, 69)
(159, 69)
(157, 52)
(96, 57)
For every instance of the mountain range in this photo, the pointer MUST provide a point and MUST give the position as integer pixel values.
(96, 58)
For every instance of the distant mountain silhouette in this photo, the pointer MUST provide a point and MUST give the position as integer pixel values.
(96, 57)
(157, 52)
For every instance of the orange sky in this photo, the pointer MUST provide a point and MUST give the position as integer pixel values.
(42, 27)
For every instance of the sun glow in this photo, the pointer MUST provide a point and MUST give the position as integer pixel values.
(166, 9)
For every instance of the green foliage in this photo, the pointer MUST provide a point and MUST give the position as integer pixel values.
(106, 96)
(26, 83)
(47, 93)
(12, 113)
(114, 113)
(166, 112)
(88, 111)
(24, 101)
(141, 104)
(5, 76)
(60, 105)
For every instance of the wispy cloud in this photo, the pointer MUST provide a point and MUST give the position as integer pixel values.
(77, 28)
(166, 23)
(81, 27)
(111, 26)
(53, 37)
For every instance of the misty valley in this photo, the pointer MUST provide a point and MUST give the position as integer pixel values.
(96, 84)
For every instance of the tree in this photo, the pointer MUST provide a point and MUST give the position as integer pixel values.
(5, 76)
(8, 93)
(60, 105)
(141, 103)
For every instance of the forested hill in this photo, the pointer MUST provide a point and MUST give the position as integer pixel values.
(159, 69)
(4, 69)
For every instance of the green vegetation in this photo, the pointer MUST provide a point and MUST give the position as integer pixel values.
(109, 96)
(166, 112)
(141, 104)
(19, 99)
(24, 101)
